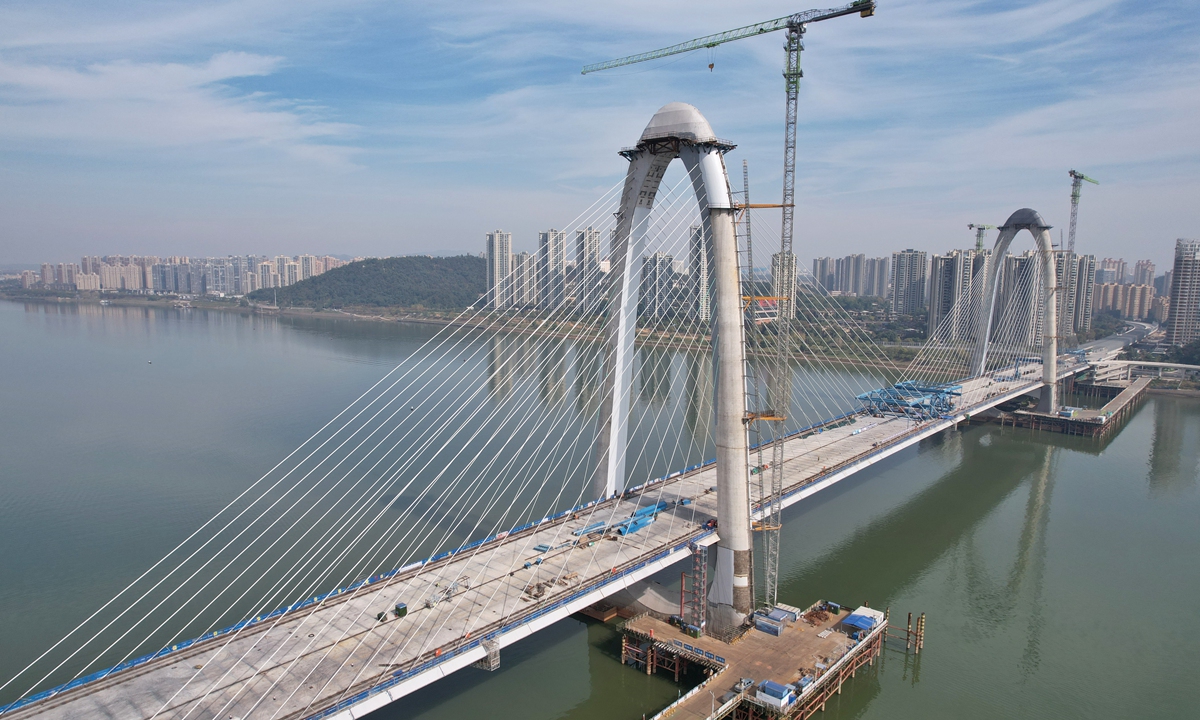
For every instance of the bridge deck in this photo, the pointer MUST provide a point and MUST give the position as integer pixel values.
(333, 657)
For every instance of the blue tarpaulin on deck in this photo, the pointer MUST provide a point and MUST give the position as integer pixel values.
(862, 622)
(774, 689)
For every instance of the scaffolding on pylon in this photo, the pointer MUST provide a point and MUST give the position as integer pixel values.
(693, 592)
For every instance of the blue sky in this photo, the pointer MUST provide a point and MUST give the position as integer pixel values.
(373, 128)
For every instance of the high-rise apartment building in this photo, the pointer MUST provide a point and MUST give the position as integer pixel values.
(855, 275)
(588, 281)
(268, 276)
(1110, 270)
(956, 282)
(217, 278)
(552, 269)
(122, 277)
(783, 281)
(1160, 309)
(65, 273)
(700, 263)
(875, 277)
(281, 263)
(1184, 324)
(1129, 301)
(824, 270)
(658, 285)
(1162, 284)
(1066, 270)
(1143, 272)
(850, 272)
(909, 268)
(1017, 291)
(499, 267)
(524, 280)
(1085, 285)
(310, 266)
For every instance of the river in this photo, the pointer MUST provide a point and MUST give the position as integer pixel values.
(1059, 575)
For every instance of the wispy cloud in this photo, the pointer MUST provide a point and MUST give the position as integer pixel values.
(474, 113)
(123, 104)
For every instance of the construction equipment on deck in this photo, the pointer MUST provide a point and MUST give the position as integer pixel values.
(1077, 179)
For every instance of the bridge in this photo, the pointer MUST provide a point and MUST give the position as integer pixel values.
(1108, 370)
(488, 582)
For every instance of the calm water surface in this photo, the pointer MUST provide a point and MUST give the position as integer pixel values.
(1060, 576)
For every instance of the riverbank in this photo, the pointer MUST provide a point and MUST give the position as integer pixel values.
(585, 331)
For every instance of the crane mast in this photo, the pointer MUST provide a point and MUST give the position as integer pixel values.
(780, 386)
(1077, 179)
(980, 234)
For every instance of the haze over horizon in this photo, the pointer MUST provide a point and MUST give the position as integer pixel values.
(361, 128)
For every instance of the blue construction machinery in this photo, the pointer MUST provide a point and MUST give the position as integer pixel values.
(912, 399)
(1016, 375)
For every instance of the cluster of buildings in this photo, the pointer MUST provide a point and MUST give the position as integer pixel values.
(570, 268)
(936, 285)
(549, 280)
(853, 275)
(148, 274)
(671, 287)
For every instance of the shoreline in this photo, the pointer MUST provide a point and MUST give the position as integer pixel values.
(521, 326)
(1173, 392)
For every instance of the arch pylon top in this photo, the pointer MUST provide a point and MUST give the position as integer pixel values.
(1025, 219)
(679, 130)
(680, 121)
(1031, 220)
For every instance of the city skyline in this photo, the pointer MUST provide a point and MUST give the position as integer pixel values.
(202, 129)
(231, 275)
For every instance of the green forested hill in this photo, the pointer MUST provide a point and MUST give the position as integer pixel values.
(437, 283)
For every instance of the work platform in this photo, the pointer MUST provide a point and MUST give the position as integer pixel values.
(760, 674)
(1091, 422)
(331, 657)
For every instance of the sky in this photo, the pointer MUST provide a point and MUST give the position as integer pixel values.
(384, 128)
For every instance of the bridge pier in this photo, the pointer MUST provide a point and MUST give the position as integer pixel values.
(678, 130)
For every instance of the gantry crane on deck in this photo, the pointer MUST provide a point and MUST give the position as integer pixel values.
(781, 393)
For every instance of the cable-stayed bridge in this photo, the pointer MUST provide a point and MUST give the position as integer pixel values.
(468, 488)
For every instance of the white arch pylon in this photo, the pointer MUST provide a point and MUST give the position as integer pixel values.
(678, 130)
(1026, 219)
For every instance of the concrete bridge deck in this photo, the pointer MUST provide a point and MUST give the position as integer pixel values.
(334, 659)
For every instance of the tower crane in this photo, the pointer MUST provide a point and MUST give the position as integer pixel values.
(980, 233)
(1077, 179)
(795, 25)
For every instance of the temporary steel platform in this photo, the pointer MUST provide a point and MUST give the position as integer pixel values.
(761, 674)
